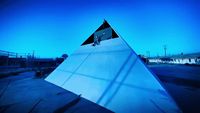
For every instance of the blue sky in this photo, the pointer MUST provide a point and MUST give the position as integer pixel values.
(54, 27)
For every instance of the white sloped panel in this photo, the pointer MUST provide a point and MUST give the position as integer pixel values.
(129, 100)
(111, 45)
(71, 67)
(139, 75)
(116, 81)
(84, 49)
(164, 103)
(126, 69)
(58, 77)
(104, 65)
(111, 42)
(112, 75)
(90, 88)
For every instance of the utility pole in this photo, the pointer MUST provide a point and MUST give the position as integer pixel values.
(33, 54)
(165, 49)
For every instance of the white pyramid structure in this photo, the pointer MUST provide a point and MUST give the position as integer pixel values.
(106, 71)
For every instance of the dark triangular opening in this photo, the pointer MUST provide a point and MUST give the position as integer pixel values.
(89, 40)
(102, 27)
(114, 34)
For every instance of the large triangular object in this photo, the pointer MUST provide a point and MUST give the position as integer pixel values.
(106, 71)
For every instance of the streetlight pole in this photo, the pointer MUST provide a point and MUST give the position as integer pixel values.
(165, 50)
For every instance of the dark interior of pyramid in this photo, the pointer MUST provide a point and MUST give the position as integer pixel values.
(104, 32)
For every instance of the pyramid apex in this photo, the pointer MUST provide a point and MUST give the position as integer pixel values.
(105, 32)
(104, 20)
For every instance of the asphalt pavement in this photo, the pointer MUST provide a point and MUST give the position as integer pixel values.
(26, 93)
(183, 84)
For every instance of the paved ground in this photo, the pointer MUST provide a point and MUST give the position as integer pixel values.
(183, 83)
(26, 94)
(11, 71)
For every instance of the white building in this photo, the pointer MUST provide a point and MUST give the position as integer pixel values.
(193, 58)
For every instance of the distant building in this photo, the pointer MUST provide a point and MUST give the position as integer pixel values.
(186, 59)
(193, 58)
(155, 60)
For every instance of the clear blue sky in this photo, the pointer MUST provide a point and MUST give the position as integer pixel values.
(54, 27)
